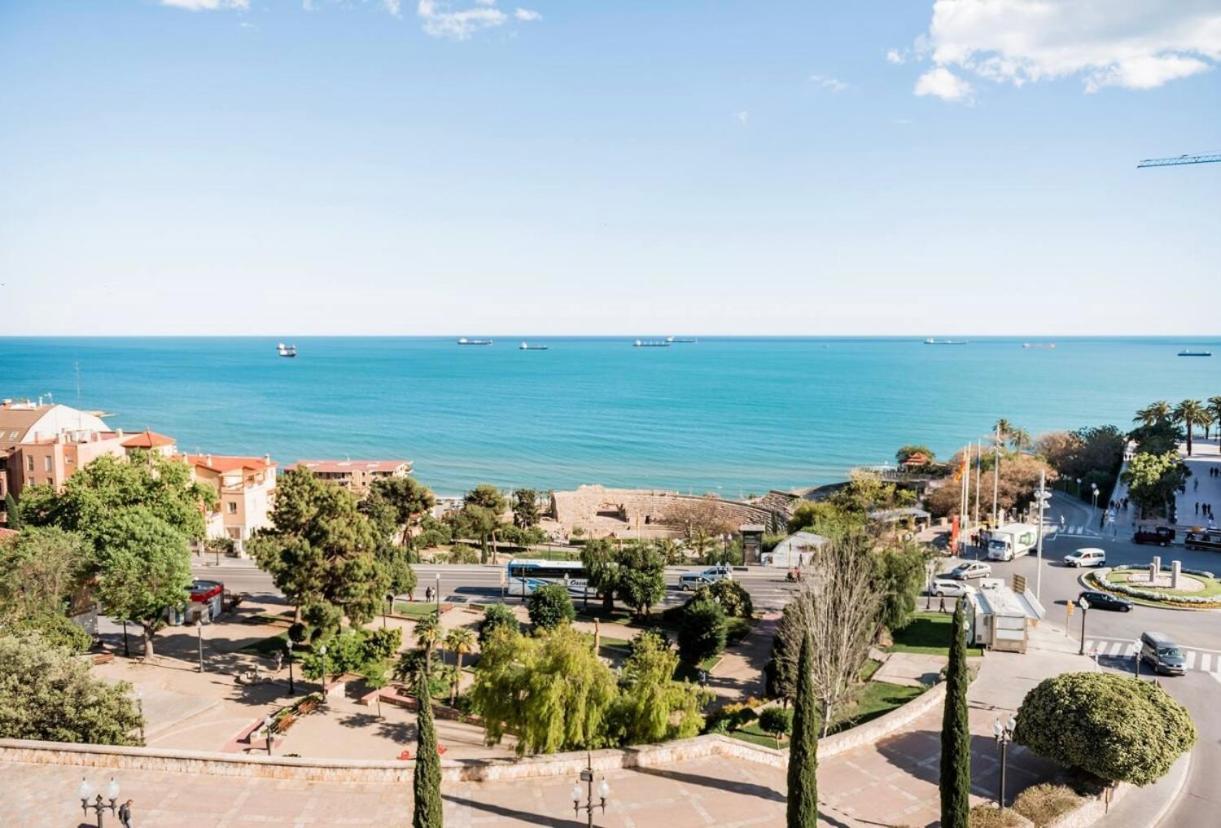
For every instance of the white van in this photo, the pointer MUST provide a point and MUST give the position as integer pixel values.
(1086, 557)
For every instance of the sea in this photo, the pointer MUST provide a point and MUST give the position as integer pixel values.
(734, 416)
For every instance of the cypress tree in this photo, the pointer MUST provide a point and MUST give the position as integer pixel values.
(803, 747)
(12, 512)
(956, 731)
(426, 785)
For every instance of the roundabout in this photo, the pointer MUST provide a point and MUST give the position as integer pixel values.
(1192, 589)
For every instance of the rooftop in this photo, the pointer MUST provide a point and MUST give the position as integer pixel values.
(221, 463)
(349, 466)
(148, 440)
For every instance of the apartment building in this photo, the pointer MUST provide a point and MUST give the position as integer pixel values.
(244, 487)
(46, 443)
(356, 475)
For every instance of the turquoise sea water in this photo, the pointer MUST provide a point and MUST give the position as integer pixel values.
(728, 415)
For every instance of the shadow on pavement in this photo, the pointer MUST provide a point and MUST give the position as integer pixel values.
(748, 788)
(524, 816)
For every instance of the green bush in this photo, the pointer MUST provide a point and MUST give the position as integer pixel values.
(56, 629)
(549, 606)
(990, 816)
(1043, 804)
(1115, 727)
(731, 595)
(497, 616)
(701, 631)
(777, 721)
(460, 553)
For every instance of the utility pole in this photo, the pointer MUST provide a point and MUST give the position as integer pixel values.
(979, 467)
(996, 480)
(1043, 498)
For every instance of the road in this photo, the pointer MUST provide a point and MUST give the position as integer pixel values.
(476, 582)
(1112, 635)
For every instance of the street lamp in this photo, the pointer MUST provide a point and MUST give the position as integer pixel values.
(322, 652)
(931, 567)
(99, 807)
(126, 648)
(292, 690)
(587, 776)
(1094, 489)
(437, 592)
(199, 630)
(1004, 735)
(140, 705)
(1084, 605)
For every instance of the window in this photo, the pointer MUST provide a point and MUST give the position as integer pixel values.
(46, 463)
(29, 463)
(233, 507)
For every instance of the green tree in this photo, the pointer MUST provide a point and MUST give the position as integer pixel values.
(460, 641)
(56, 629)
(428, 634)
(322, 553)
(480, 523)
(642, 577)
(731, 595)
(409, 501)
(525, 508)
(551, 691)
(1154, 413)
(426, 781)
(905, 453)
(956, 731)
(777, 721)
(109, 484)
(496, 617)
(12, 513)
(1214, 408)
(1153, 479)
(549, 606)
(41, 570)
(363, 652)
(602, 570)
(1190, 413)
(1110, 725)
(802, 809)
(48, 694)
(702, 629)
(143, 567)
(652, 706)
(826, 519)
(899, 575)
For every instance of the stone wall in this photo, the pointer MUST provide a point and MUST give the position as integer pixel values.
(600, 510)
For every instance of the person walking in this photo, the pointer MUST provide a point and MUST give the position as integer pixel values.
(125, 814)
(1197, 508)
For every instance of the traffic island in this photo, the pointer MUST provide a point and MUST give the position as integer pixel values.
(1168, 587)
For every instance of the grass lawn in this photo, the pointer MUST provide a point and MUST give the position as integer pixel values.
(267, 646)
(616, 649)
(1212, 587)
(929, 634)
(414, 609)
(873, 699)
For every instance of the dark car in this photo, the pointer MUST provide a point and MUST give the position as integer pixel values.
(1105, 601)
(1201, 539)
(1162, 535)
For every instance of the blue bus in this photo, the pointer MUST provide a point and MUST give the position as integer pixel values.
(528, 574)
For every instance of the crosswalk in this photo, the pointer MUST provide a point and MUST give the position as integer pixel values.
(1198, 660)
(1079, 531)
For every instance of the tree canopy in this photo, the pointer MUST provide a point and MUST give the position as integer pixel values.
(652, 706)
(1152, 480)
(550, 605)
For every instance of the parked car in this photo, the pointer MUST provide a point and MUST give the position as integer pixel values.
(1162, 654)
(944, 587)
(1161, 535)
(1105, 600)
(1086, 557)
(968, 570)
(1202, 539)
(720, 572)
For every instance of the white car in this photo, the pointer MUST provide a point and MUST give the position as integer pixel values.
(967, 570)
(944, 587)
(1086, 557)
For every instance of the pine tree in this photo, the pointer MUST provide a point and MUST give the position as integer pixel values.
(803, 747)
(956, 731)
(12, 512)
(427, 781)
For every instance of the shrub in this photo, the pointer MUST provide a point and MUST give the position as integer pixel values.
(1043, 804)
(777, 721)
(56, 629)
(460, 553)
(731, 595)
(495, 617)
(549, 606)
(990, 816)
(738, 714)
(1115, 727)
(701, 631)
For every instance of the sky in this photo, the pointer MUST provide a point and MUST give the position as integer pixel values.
(789, 167)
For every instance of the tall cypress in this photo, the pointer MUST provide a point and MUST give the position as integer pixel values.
(426, 785)
(803, 748)
(956, 731)
(13, 515)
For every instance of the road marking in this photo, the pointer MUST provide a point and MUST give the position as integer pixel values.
(1189, 660)
(1205, 664)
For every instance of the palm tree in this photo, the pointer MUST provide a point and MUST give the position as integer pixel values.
(1214, 408)
(1154, 413)
(1207, 419)
(1190, 413)
(1019, 438)
(460, 641)
(452, 677)
(428, 635)
(1003, 428)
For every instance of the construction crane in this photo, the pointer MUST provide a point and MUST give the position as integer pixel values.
(1179, 160)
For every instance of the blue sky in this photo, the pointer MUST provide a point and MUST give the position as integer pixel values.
(642, 167)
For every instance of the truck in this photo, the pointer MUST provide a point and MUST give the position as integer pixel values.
(1013, 540)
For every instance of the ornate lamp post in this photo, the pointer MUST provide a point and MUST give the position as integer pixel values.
(292, 689)
(437, 592)
(1085, 606)
(587, 776)
(98, 806)
(322, 652)
(199, 631)
(1004, 735)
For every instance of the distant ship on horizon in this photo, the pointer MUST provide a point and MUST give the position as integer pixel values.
(651, 343)
(286, 350)
(465, 341)
(935, 341)
(526, 346)
(680, 340)
(1188, 352)
(1046, 346)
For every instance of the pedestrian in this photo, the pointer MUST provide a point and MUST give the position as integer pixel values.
(427, 593)
(1197, 508)
(125, 814)
(1062, 523)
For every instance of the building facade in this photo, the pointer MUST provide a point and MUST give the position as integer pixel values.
(46, 444)
(244, 489)
(356, 475)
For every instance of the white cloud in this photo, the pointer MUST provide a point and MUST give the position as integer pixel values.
(1136, 44)
(393, 6)
(896, 56)
(527, 15)
(942, 83)
(829, 83)
(440, 19)
(207, 5)
(742, 117)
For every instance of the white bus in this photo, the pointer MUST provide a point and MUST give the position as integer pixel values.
(528, 574)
